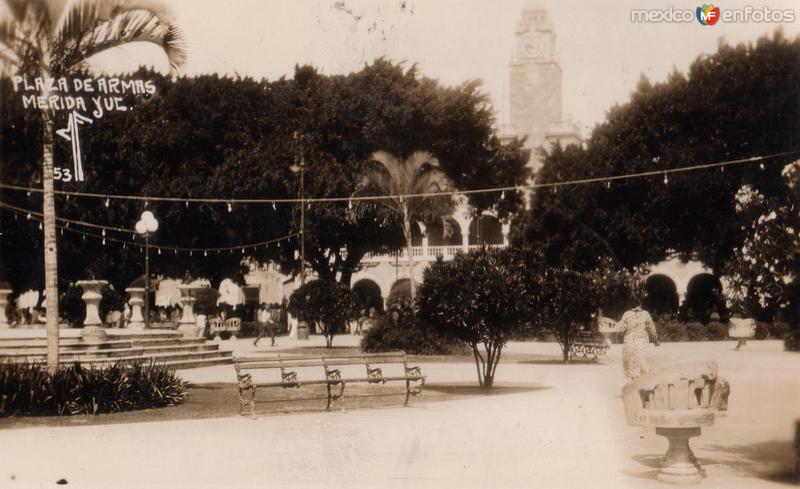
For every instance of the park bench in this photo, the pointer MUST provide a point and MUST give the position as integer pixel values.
(217, 326)
(586, 344)
(677, 401)
(299, 371)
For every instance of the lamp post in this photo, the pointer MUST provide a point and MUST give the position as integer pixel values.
(301, 168)
(147, 224)
(301, 331)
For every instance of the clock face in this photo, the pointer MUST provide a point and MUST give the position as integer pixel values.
(533, 48)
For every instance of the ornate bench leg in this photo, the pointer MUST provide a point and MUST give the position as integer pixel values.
(416, 389)
(333, 396)
(251, 393)
(679, 466)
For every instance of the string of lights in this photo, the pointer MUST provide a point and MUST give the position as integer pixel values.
(37, 216)
(359, 198)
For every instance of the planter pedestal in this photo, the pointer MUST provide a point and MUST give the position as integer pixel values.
(136, 301)
(93, 329)
(302, 330)
(607, 327)
(679, 465)
(742, 330)
(188, 322)
(4, 293)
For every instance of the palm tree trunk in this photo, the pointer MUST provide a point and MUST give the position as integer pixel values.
(49, 226)
(50, 254)
(407, 232)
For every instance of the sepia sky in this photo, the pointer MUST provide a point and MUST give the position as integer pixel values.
(602, 52)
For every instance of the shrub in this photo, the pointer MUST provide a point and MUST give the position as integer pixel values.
(791, 342)
(669, 330)
(30, 390)
(401, 329)
(762, 330)
(780, 329)
(696, 331)
(481, 298)
(717, 331)
(327, 304)
(71, 307)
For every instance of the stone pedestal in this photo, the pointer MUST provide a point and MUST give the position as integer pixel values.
(302, 330)
(136, 301)
(4, 293)
(679, 466)
(742, 330)
(93, 329)
(188, 322)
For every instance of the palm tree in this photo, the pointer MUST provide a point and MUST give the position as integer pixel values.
(55, 38)
(404, 180)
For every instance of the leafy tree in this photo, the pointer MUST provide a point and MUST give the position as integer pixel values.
(327, 304)
(664, 126)
(53, 39)
(763, 272)
(221, 137)
(417, 174)
(565, 301)
(481, 298)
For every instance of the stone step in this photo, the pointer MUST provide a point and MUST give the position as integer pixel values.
(200, 362)
(166, 358)
(7, 347)
(74, 355)
(74, 335)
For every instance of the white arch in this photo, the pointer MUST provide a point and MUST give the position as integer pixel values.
(680, 272)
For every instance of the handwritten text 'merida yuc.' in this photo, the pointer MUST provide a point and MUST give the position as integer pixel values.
(95, 95)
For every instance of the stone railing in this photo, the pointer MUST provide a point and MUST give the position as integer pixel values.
(422, 253)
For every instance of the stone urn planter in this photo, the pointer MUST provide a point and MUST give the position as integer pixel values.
(136, 301)
(93, 329)
(742, 330)
(188, 323)
(607, 327)
(4, 293)
(677, 400)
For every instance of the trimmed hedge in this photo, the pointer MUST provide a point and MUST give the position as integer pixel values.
(669, 331)
(696, 332)
(30, 390)
(780, 329)
(717, 331)
(791, 342)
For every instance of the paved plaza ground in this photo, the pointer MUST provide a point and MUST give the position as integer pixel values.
(548, 425)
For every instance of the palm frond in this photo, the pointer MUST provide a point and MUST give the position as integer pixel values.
(90, 27)
(418, 174)
(23, 30)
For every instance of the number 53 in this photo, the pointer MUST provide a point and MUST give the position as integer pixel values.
(63, 174)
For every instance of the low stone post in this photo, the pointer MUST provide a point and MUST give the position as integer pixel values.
(136, 301)
(93, 329)
(4, 293)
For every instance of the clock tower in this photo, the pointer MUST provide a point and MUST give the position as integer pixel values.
(535, 85)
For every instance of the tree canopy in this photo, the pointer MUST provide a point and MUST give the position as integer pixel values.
(737, 103)
(228, 138)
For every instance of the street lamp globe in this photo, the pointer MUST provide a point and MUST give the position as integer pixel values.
(141, 227)
(152, 226)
